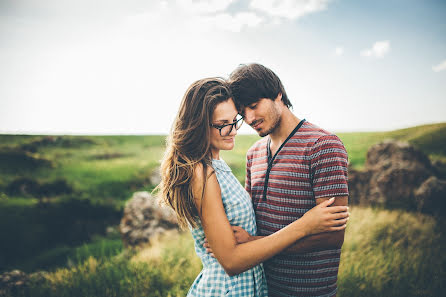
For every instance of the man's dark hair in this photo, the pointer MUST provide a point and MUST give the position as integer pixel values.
(249, 83)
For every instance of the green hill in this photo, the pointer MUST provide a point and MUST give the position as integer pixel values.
(55, 186)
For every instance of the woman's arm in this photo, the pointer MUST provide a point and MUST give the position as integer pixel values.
(312, 243)
(236, 258)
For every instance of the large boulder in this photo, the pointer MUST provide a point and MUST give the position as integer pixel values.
(145, 217)
(395, 176)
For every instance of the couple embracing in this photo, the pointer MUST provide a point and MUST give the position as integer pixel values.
(280, 235)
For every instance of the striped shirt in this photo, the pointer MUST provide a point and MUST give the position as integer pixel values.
(310, 164)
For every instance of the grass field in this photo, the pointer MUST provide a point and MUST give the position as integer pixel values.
(66, 233)
(386, 253)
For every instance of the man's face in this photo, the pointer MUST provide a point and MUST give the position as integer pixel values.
(264, 115)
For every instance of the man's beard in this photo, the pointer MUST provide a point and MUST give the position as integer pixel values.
(274, 126)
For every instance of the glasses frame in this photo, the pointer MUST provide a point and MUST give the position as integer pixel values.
(220, 127)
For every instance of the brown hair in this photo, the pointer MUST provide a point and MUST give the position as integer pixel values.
(188, 145)
(249, 83)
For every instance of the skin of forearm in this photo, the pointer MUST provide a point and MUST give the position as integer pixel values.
(247, 255)
(313, 243)
(321, 241)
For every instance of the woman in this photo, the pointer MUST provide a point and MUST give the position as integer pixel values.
(207, 197)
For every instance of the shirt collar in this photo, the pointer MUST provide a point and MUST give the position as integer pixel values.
(220, 164)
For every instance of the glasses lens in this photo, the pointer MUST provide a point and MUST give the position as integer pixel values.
(239, 123)
(226, 130)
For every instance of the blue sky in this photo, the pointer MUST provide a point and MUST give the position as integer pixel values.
(122, 67)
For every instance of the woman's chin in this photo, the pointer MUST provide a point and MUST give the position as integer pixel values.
(228, 147)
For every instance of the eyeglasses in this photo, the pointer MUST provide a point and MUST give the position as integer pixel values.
(226, 129)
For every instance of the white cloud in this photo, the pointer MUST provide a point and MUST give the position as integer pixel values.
(439, 67)
(204, 6)
(339, 51)
(379, 49)
(290, 9)
(224, 21)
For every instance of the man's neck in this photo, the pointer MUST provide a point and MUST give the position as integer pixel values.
(287, 124)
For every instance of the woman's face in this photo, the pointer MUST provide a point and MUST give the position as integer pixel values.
(224, 113)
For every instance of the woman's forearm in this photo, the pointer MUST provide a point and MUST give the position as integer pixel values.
(247, 255)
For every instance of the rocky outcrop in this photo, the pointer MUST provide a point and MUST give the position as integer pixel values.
(144, 217)
(397, 175)
(15, 281)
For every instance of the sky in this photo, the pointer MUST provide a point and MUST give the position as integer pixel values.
(122, 67)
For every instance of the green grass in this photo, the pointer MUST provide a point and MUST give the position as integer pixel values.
(67, 256)
(392, 253)
(106, 170)
(386, 253)
(113, 167)
(431, 139)
(169, 272)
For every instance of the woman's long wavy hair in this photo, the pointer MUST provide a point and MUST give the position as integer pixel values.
(188, 145)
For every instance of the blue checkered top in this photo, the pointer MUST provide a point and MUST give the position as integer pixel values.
(213, 280)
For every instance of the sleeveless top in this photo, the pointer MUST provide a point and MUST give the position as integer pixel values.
(213, 280)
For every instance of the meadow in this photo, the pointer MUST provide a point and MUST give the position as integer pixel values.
(61, 199)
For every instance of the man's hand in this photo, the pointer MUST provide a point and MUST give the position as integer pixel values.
(241, 236)
(208, 248)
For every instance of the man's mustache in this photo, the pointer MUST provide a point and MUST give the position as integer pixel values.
(253, 123)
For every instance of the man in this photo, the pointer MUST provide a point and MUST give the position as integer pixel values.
(296, 166)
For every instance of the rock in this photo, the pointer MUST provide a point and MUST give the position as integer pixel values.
(431, 196)
(390, 153)
(358, 186)
(145, 217)
(155, 177)
(393, 176)
(12, 281)
(440, 167)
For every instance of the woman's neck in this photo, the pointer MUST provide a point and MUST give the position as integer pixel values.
(215, 154)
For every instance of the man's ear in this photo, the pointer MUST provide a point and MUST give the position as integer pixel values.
(278, 100)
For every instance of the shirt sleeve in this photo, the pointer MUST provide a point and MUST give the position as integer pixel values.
(329, 161)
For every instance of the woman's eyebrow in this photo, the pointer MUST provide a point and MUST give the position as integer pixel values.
(226, 121)
(222, 121)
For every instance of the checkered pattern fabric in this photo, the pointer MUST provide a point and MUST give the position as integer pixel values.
(213, 280)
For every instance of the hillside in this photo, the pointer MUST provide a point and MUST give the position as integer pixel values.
(60, 192)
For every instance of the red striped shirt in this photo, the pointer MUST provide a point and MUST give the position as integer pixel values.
(311, 164)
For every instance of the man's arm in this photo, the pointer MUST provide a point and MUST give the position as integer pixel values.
(328, 168)
(321, 241)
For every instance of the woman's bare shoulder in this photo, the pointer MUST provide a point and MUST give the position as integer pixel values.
(198, 177)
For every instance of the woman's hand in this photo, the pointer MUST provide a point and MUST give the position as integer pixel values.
(323, 218)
